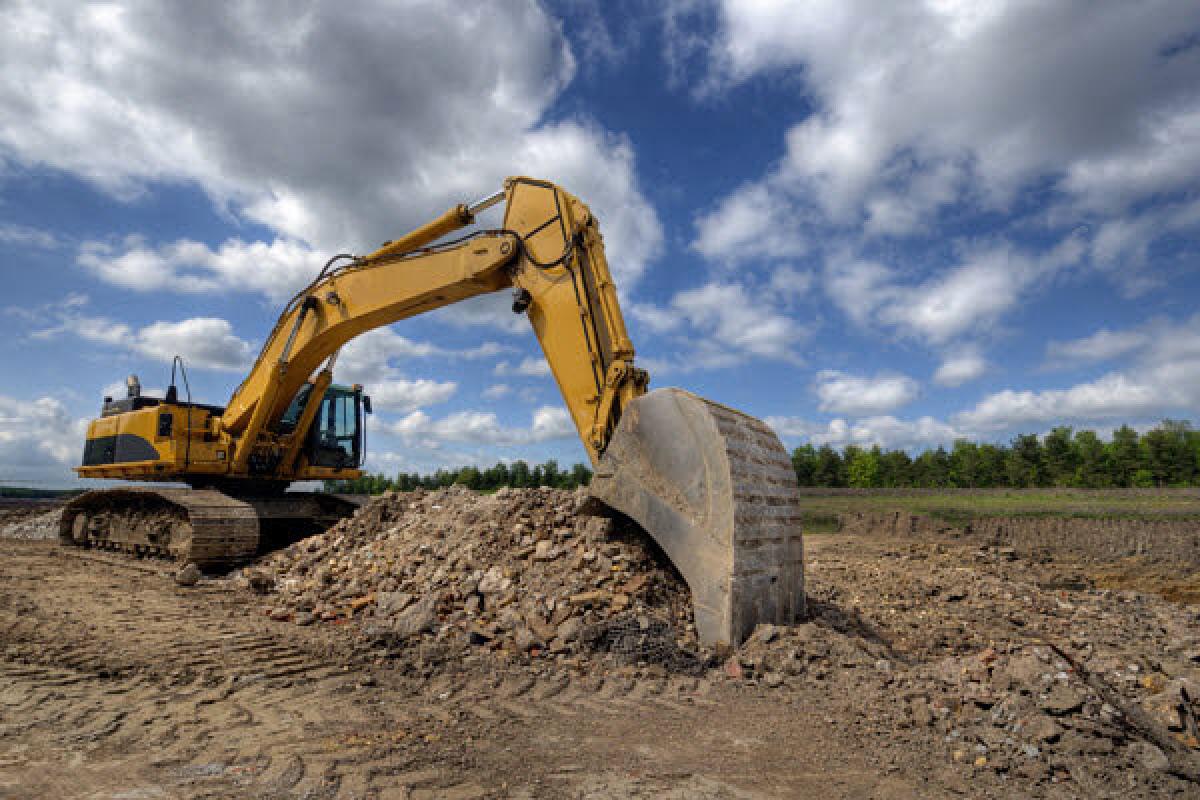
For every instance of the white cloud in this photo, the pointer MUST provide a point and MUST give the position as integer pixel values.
(1103, 345)
(849, 394)
(721, 324)
(369, 358)
(960, 367)
(38, 440)
(335, 132)
(790, 283)
(750, 223)
(206, 342)
(888, 432)
(734, 322)
(532, 367)
(655, 318)
(1121, 245)
(277, 269)
(483, 427)
(202, 341)
(1110, 397)
(496, 391)
(1164, 375)
(970, 296)
(490, 311)
(1094, 128)
(25, 236)
(408, 395)
(882, 111)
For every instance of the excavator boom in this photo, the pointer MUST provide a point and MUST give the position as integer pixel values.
(713, 486)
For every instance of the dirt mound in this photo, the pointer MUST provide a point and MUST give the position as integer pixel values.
(41, 526)
(518, 573)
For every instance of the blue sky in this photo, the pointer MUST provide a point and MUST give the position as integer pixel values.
(864, 222)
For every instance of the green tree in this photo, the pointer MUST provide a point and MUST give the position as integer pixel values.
(830, 469)
(1124, 456)
(1142, 479)
(862, 468)
(1058, 457)
(1167, 453)
(991, 466)
(580, 476)
(804, 462)
(1024, 463)
(470, 477)
(965, 465)
(931, 469)
(895, 469)
(1092, 470)
(520, 476)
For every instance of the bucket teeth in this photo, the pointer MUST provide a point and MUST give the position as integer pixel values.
(715, 488)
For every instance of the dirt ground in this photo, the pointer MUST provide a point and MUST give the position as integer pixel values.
(115, 682)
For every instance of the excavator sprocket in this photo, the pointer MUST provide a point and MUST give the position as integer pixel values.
(716, 489)
(205, 526)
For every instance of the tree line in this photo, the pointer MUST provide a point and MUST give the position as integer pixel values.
(1168, 455)
(518, 475)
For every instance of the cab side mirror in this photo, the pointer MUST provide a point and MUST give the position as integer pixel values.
(366, 400)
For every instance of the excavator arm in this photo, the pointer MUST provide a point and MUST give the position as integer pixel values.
(549, 250)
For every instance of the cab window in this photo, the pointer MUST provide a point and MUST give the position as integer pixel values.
(336, 440)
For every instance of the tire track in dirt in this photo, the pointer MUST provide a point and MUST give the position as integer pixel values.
(104, 660)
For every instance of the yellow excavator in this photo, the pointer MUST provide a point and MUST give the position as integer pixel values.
(714, 487)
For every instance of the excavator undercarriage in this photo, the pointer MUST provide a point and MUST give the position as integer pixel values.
(208, 527)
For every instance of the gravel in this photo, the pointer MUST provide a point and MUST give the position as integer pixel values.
(518, 573)
(41, 526)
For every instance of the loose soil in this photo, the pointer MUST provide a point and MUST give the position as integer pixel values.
(928, 668)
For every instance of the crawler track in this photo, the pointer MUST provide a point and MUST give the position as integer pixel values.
(205, 526)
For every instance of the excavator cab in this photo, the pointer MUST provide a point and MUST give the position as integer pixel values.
(337, 437)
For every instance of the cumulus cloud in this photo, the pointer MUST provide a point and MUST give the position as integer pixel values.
(277, 269)
(1092, 135)
(26, 236)
(373, 359)
(483, 427)
(1110, 397)
(206, 342)
(496, 391)
(371, 356)
(750, 223)
(532, 367)
(1163, 374)
(841, 393)
(335, 132)
(885, 119)
(1103, 345)
(404, 395)
(884, 430)
(722, 323)
(39, 439)
(968, 297)
(959, 367)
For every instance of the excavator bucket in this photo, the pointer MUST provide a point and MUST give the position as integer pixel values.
(716, 489)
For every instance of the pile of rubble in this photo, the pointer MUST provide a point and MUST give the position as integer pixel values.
(1015, 709)
(521, 573)
(40, 526)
